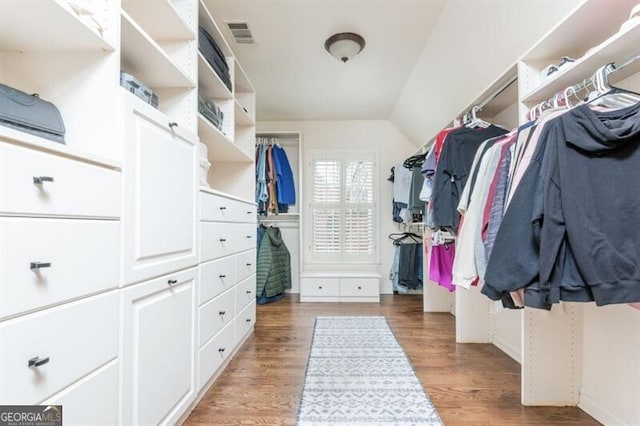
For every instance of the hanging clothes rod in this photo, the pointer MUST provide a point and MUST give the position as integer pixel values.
(497, 93)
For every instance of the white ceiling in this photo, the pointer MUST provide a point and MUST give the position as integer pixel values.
(296, 79)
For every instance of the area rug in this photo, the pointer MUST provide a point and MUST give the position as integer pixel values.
(358, 374)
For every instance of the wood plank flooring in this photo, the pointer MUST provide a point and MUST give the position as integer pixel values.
(469, 384)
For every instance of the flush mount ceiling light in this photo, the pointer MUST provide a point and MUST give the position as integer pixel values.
(344, 46)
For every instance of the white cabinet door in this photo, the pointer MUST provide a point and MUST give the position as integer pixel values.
(160, 194)
(158, 353)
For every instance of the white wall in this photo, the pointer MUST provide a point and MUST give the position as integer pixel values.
(474, 42)
(382, 136)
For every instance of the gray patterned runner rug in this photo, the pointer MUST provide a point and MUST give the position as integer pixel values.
(358, 374)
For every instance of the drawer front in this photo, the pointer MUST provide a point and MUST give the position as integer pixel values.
(215, 315)
(91, 401)
(320, 287)
(74, 347)
(216, 208)
(213, 354)
(77, 188)
(216, 277)
(245, 293)
(217, 240)
(245, 321)
(46, 261)
(246, 236)
(245, 264)
(246, 212)
(359, 287)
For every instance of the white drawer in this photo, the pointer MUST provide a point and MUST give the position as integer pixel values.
(245, 321)
(216, 208)
(214, 315)
(245, 264)
(246, 212)
(91, 401)
(320, 287)
(216, 276)
(77, 189)
(246, 236)
(217, 240)
(359, 287)
(213, 354)
(77, 338)
(77, 257)
(245, 293)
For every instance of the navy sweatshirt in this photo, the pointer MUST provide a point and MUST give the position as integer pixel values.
(572, 231)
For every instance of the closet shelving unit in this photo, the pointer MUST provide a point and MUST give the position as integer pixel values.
(575, 354)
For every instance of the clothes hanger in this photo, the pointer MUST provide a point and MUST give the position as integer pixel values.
(608, 96)
(476, 121)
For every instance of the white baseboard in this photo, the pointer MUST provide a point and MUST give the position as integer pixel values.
(590, 406)
(508, 349)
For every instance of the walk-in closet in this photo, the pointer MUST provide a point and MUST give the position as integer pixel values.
(319, 212)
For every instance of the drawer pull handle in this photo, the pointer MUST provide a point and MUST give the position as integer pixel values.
(221, 350)
(223, 276)
(248, 291)
(39, 180)
(223, 208)
(172, 124)
(248, 264)
(37, 361)
(248, 320)
(249, 212)
(222, 240)
(40, 265)
(222, 313)
(320, 287)
(172, 282)
(359, 288)
(249, 236)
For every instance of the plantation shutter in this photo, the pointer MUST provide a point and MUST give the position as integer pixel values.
(326, 213)
(358, 213)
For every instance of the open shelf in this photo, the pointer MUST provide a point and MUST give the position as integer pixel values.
(145, 59)
(52, 26)
(209, 84)
(224, 194)
(242, 83)
(221, 147)
(241, 116)
(164, 24)
(207, 22)
(616, 48)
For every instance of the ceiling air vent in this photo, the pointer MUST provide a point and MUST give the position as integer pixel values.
(241, 32)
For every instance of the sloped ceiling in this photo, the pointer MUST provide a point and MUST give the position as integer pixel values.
(296, 79)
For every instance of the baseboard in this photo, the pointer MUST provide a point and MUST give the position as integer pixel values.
(507, 349)
(590, 406)
(212, 380)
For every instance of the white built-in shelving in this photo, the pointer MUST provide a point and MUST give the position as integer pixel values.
(160, 19)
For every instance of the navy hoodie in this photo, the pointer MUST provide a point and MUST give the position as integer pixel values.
(572, 230)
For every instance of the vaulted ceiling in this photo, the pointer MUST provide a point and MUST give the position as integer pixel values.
(296, 79)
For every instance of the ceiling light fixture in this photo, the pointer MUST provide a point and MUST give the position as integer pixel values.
(344, 46)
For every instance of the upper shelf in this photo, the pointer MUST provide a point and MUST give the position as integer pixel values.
(209, 84)
(52, 26)
(145, 59)
(164, 24)
(587, 25)
(617, 48)
(207, 22)
(242, 83)
(221, 147)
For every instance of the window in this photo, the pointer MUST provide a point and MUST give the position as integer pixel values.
(342, 208)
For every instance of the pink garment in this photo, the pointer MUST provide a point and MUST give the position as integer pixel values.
(441, 265)
(635, 305)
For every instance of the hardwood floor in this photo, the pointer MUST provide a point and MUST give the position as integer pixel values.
(469, 384)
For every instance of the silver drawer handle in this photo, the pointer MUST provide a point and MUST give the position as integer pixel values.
(222, 313)
(249, 236)
(249, 212)
(221, 350)
(248, 320)
(248, 264)
(40, 265)
(223, 208)
(172, 282)
(223, 276)
(37, 361)
(248, 291)
(39, 180)
(223, 240)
